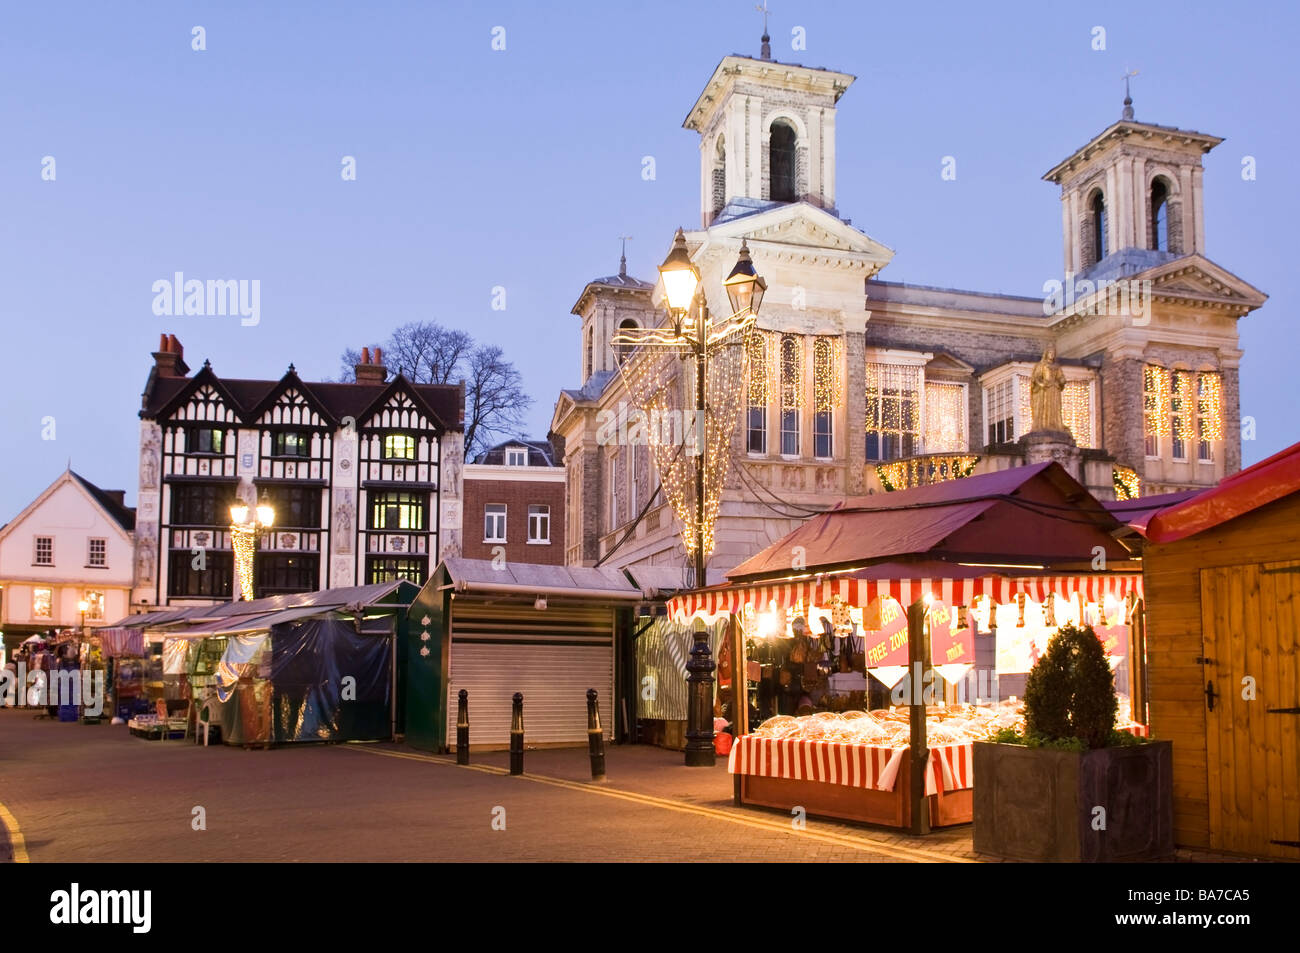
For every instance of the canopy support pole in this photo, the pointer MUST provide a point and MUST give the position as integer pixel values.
(920, 679)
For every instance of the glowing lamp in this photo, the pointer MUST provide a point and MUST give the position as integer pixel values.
(744, 287)
(239, 513)
(679, 275)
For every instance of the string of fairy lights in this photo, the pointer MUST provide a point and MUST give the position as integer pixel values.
(244, 544)
(1128, 485)
(1185, 404)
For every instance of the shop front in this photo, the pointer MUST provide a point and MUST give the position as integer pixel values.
(876, 643)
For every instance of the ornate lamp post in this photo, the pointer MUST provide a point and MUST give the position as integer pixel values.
(247, 524)
(717, 350)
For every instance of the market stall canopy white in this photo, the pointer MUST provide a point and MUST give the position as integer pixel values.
(531, 580)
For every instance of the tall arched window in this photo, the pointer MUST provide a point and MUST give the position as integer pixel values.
(1159, 215)
(588, 355)
(781, 162)
(625, 350)
(1099, 227)
(719, 176)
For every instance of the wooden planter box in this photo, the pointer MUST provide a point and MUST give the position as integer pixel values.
(1038, 804)
(864, 805)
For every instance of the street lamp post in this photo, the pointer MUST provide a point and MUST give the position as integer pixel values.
(697, 335)
(247, 524)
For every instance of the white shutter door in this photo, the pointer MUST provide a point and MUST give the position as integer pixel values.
(552, 656)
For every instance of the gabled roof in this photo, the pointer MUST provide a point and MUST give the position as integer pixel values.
(120, 513)
(1034, 516)
(443, 403)
(123, 516)
(1265, 482)
(540, 452)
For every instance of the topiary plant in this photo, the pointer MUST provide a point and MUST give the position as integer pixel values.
(1070, 693)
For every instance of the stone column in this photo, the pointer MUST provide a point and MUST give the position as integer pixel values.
(1231, 420)
(855, 383)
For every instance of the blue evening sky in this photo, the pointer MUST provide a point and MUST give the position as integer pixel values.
(519, 168)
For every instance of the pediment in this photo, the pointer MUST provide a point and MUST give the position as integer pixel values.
(806, 229)
(1199, 279)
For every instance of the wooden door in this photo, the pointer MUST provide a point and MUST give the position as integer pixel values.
(1250, 619)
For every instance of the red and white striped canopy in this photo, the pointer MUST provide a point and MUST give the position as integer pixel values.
(711, 603)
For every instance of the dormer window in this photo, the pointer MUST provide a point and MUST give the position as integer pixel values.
(516, 457)
(205, 440)
(781, 162)
(292, 443)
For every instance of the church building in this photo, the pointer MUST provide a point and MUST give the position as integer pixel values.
(858, 384)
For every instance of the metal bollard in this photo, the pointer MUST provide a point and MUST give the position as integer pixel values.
(517, 735)
(462, 728)
(595, 737)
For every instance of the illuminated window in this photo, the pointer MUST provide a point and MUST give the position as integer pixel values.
(893, 417)
(945, 418)
(42, 603)
(205, 440)
(494, 523)
(94, 605)
(399, 446)
(391, 569)
(292, 443)
(397, 510)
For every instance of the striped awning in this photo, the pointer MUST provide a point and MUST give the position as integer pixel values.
(711, 603)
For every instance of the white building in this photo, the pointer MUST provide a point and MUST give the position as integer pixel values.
(73, 543)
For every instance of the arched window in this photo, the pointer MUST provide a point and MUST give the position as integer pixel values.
(781, 163)
(719, 179)
(1099, 247)
(1159, 215)
(623, 351)
(587, 357)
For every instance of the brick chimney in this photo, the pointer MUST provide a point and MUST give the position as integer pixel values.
(371, 371)
(169, 359)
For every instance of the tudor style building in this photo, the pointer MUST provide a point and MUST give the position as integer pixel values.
(364, 478)
(860, 385)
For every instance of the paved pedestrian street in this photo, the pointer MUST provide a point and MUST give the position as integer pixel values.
(84, 793)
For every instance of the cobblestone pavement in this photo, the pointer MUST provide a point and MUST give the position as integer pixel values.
(94, 793)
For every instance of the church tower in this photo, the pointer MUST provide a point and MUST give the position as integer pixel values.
(1131, 198)
(606, 306)
(767, 135)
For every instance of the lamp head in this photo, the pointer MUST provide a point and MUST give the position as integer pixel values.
(679, 275)
(745, 288)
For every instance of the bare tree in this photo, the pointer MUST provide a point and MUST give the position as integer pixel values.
(495, 401)
(428, 353)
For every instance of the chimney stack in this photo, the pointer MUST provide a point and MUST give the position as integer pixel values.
(371, 372)
(169, 359)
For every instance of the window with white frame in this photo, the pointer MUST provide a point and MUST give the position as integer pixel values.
(893, 418)
(516, 457)
(945, 417)
(494, 523)
(1155, 407)
(791, 392)
(1209, 414)
(1000, 411)
(757, 347)
(44, 551)
(1180, 411)
(539, 523)
(826, 394)
(97, 552)
(42, 603)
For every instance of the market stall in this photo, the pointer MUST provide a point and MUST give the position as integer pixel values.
(904, 634)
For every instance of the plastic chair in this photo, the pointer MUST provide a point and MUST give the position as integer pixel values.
(203, 719)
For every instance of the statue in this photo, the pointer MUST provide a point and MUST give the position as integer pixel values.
(1045, 386)
(149, 463)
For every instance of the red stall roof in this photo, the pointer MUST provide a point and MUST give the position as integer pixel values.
(1035, 514)
(1256, 486)
(1137, 513)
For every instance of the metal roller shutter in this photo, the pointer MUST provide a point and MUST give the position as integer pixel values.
(553, 656)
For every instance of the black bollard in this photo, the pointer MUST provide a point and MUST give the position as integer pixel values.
(462, 728)
(517, 735)
(595, 737)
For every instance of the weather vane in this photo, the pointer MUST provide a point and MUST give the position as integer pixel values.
(1128, 96)
(622, 260)
(766, 51)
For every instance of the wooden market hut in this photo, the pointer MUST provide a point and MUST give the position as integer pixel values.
(1222, 579)
(1030, 530)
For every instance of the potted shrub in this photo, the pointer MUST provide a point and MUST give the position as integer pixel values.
(1070, 787)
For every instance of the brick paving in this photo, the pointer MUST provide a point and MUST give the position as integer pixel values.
(94, 793)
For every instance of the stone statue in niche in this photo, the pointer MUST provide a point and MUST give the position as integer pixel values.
(1045, 386)
(149, 463)
(144, 558)
(449, 468)
(343, 522)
